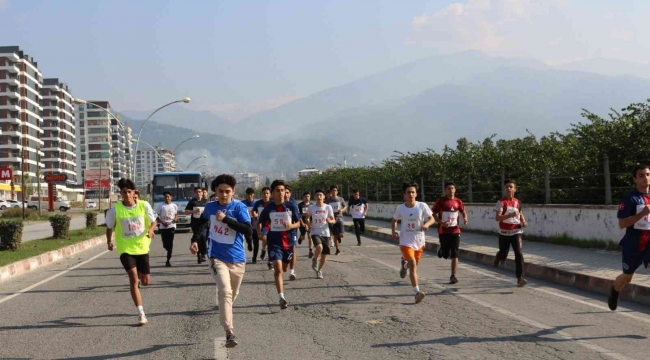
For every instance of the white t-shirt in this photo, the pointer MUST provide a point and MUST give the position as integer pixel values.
(413, 219)
(319, 215)
(110, 214)
(167, 213)
(358, 211)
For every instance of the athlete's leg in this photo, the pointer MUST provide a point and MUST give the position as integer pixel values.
(504, 248)
(357, 229)
(256, 246)
(277, 274)
(133, 285)
(517, 246)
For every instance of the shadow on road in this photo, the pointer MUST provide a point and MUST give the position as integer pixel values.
(140, 352)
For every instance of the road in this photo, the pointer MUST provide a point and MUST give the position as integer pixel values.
(81, 309)
(42, 229)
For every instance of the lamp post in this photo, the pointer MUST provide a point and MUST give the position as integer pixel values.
(185, 100)
(152, 148)
(177, 146)
(200, 166)
(200, 157)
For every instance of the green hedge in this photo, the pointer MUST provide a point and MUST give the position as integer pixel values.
(11, 234)
(91, 220)
(60, 226)
(17, 213)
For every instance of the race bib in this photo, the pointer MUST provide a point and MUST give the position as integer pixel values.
(304, 210)
(358, 210)
(220, 232)
(200, 208)
(411, 224)
(319, 221)
(514, 220)
(335, 207)
(132, 227)
(644, 223)
(259, 210)
(278, 219)
(450, 217)
(511, 232)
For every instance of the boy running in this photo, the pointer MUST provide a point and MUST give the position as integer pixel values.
(293, 235)
(258, 207)
(254, 244)
(633, 213)
(511, 225)
(229, 224)
(338, 206)
(167, 218)
(359, 211)
(416, 217)
(195, 208)
(283, 217)
(446, 211)
(322, 216)
(133, 223)
(303, 206)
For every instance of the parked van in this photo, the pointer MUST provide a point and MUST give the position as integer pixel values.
(61, 204)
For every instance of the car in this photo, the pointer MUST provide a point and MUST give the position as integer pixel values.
(4, 204)
(14, 203)
(90, 204)
(60, 204)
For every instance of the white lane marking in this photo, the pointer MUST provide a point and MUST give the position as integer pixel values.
(533, 323)
(220, 351)
(7, 298)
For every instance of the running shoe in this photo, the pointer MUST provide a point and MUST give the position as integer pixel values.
(263, 254)
(311, 254)
(270, 266)
(142, 320)
(440, 252)
(419, 297)
(283, 304)
(299, 241)
(331, 243)
(319, 275)
(198, 259)
(292, 277)
(250, 248)
(403, 269)
(254, 261)
(338, 251)
(496, 262)
(453, 280)
(521, 282)
(358, 243)
(314, 264)
(613, 299)
(168, 264)
(231, 340)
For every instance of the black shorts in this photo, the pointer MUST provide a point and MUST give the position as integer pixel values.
(337, 228)
(322, 240)
(449, 245)
(303, 231)
(278, 253)
(632, 259)
(141, 262)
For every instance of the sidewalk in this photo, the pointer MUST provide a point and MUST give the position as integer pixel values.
(43, 229)
(588, 269)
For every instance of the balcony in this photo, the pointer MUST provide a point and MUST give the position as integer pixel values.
(12, 94)
(11, 80)
(13, 68)
(11, 106)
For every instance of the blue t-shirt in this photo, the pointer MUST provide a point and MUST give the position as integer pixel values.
(285, 239)
(223, 242)
(636, 237)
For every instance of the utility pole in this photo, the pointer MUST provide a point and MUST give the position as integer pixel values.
(22, 175)
(38, 178)
(101, 160)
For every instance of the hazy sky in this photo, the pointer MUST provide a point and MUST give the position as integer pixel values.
(238, 57)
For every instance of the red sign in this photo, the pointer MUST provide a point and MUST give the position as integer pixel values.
(56, 177)
(6, 174)
(94, 184)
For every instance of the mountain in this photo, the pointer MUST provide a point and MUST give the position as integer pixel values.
(506, 101)
(182, 114)
(227, 155)
(383, 90)
(611, 67)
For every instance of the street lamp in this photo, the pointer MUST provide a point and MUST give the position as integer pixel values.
(186, 140)
(200, 157)
(185, 100)
(200, 167)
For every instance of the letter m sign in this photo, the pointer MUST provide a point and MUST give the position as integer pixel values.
(6, 174)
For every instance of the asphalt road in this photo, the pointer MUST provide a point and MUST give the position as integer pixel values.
(42, 229)
(81, 309)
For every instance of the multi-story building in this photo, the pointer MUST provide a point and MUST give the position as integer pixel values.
(58, 124)
(121, 151)
(247, 179)
(150, 161)
(20, 113)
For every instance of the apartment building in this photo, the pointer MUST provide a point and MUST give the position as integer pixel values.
(150, 161)
(20, 114)
(59, 129)
(247, 179)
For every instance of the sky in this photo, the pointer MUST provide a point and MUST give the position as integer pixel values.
(236, 58)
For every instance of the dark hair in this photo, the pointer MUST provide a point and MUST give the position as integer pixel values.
(250, 191)
(223, 179)
(355, 191)
(287, 187)
(509, 181)
(266, 188)
(137, 192)
(448, 183)
(319, 191)
(334, 187)
(126, 184)
(277, 183)
(198, 189)
(409, 184)
(167, 192)
(306, 193)
(637, 168)
(204, 189)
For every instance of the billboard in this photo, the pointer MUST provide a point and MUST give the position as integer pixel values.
(93, 179)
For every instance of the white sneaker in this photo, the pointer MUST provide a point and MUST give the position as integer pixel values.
(319, 275)
(143, 320)
(292, 277)
(331, 243)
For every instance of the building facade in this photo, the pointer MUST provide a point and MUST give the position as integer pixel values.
(59, 147)
(150, 161)
(247, 179)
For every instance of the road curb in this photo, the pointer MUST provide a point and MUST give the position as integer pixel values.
(591, 283)
(21, 267)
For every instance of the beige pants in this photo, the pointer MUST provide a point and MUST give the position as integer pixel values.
(228, 277)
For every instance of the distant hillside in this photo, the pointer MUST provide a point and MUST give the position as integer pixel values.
(182, 114)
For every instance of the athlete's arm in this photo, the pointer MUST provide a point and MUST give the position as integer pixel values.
(631, 220)
(366, 212)
(393, 228)
(331, 220)
(189, 209)
(500, 217)
(524, 223)
(429, 222)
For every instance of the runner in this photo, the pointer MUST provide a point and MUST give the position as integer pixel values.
(133, 223)
(284, 217)
(511, 224)
(257, 210)
(303, 206)
(253, 243)
(195, 208)
(338, 206)
(359, 210)
(416, 217)
(633, 217)
(293, 235)
(446, 211)
(136, 196)
(167, 218)
(321, 216)
(229, 223)
(205, 195)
